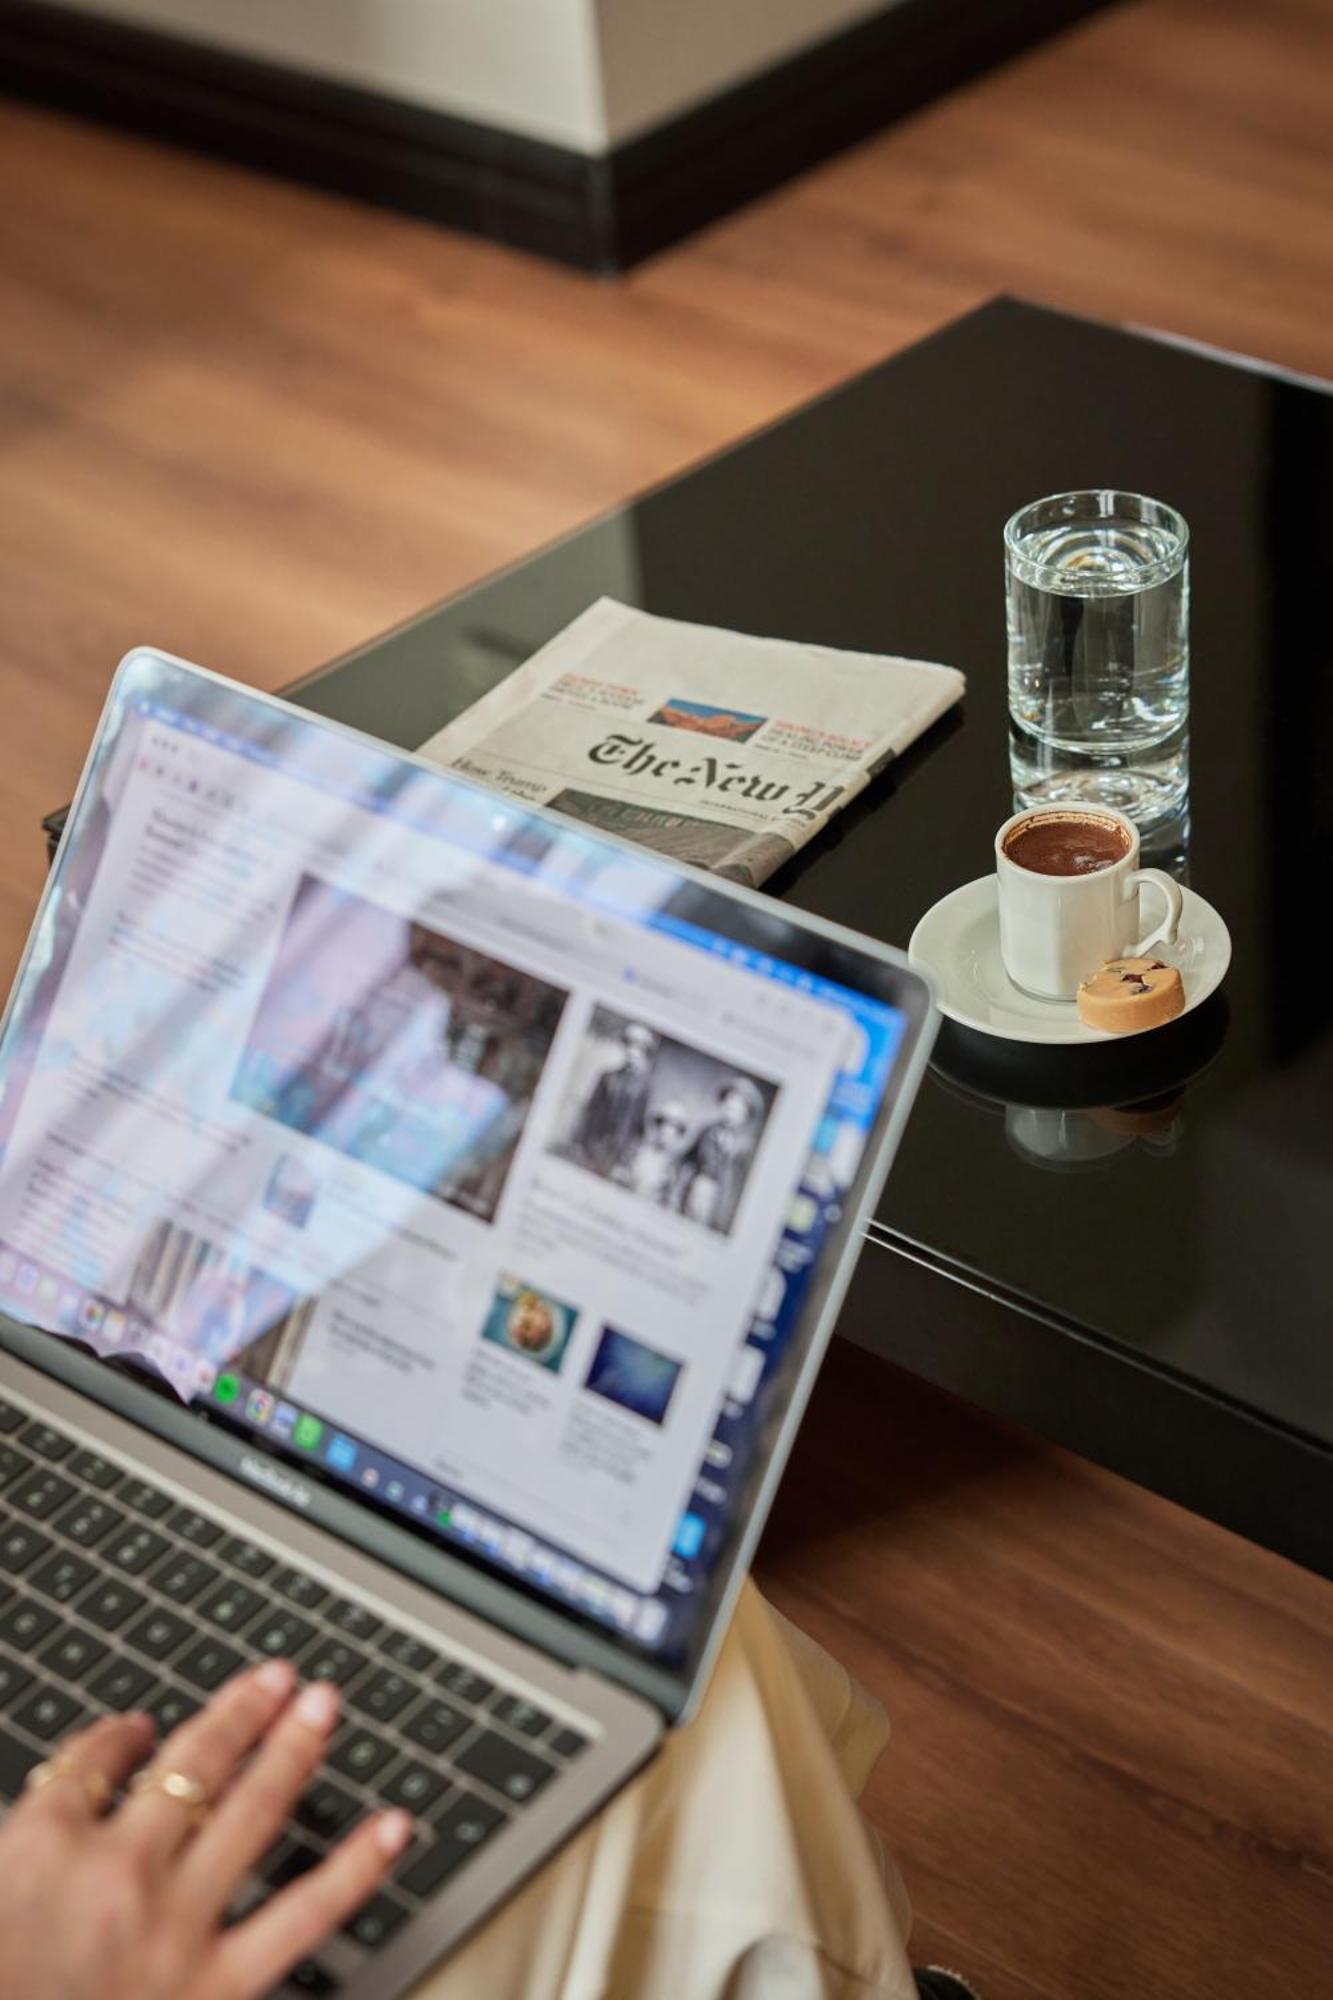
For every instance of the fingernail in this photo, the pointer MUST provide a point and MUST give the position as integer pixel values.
(318, 1705)
(276, 1676)
(393, 1830)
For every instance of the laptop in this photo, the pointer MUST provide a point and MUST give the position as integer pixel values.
(421, 1220)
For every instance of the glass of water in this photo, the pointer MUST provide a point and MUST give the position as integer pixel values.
(1098, 614)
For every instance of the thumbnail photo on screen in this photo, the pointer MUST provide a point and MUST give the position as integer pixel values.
(528, 1321)
(397, 1045)
(291, 1191)
(223, 1308)
(628, 1372)
(674, 1125)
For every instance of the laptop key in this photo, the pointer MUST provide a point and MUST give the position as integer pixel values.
(434, 1725)
(182, 1577)
(412, 1655)
(169, 1707)
(10, 1418)
(63, 1576)
(40, 1493)
(136, 1550)
(288, 1862)
(415, 1786)
(459, 1832)
(504, 1766)
(522, 1715)
(190, 1526)
(383, 1695)
(376, 1921)
(232, 1606)
(311, 1978)
(14, 1682)
(463, 1683)
(353, 1619)
(16, 1760)
(327, 1810)
(71, 1653)
(567, 1743)
(49, 1712)
(245, 1902)
(245, 1557)
(330, 1660)
(298, 1588)
(20, 1546)
(208, 1664)
(95, 1470)
(110, 1604)
(358, 1754)
(12, 1463)
(121, 1685)
(145, 1499)
(88, 1522)
(158, 1633)
(25, 1623)
(281, 1634)
(47, 1443)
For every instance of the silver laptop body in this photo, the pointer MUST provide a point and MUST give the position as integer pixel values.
(421, 1222)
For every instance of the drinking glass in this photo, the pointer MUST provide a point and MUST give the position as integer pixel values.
(1098, 616)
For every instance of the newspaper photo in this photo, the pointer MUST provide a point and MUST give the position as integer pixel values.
(709, 746)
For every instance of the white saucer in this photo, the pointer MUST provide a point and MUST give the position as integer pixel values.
(958, 943)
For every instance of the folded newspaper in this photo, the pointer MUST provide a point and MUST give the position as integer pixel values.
(712, 747)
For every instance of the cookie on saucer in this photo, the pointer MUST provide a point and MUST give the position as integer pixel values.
(1131, 994)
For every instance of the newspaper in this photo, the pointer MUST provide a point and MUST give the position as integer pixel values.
(726, 751)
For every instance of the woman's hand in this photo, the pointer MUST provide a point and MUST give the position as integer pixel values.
(127, 1903)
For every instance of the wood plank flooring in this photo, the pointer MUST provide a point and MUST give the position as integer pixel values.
(255, 425)
(1112, 1766)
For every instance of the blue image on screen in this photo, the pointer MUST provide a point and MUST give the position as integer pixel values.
(689, 1539)
(637, 1377)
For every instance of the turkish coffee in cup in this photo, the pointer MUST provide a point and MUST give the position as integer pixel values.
(1068, 881)
(1067, 842)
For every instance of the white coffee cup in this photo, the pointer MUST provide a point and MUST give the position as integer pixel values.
(1057, 930)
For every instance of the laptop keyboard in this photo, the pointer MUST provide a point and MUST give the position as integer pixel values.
(113, 1596)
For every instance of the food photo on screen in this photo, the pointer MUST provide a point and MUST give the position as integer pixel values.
(526, 1320)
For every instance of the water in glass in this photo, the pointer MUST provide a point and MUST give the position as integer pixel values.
(1098, 613)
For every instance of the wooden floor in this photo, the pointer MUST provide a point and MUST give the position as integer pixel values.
(1112, 1769)
(255, 425)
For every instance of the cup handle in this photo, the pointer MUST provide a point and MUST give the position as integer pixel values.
(1165, 932)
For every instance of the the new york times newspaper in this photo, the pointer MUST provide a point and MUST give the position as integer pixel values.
(726, 751)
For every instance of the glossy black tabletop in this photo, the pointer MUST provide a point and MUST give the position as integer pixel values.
(1164, 1211)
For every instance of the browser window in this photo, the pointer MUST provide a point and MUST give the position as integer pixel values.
(425, 1141)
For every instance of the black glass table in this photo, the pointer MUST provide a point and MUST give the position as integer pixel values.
(1124, 1248)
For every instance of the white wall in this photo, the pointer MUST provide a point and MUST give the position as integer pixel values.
(663, 56)
(582, 73)
(528, 66)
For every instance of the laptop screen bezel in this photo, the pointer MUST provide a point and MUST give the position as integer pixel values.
(738, 913)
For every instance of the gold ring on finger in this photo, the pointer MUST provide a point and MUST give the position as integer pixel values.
(64, 1769)
(178, 1786)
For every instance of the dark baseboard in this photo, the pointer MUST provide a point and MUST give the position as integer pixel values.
(599, 214)
(474, 177)
(748, 141)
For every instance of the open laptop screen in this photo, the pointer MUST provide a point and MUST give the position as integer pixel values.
(480, 1165)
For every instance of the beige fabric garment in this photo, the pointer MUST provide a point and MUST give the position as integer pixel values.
(744, 1830)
